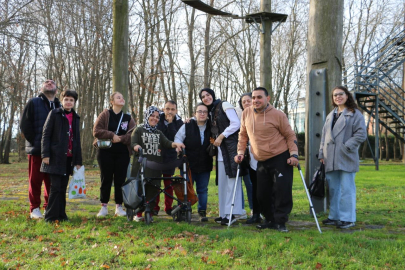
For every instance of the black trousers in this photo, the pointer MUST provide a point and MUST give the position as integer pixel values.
(253, 179)
(274, 188)
(113, 167)
(56, 209)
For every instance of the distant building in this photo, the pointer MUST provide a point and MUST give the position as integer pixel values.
(297, 116)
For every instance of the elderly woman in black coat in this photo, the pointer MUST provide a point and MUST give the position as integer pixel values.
(61, 151)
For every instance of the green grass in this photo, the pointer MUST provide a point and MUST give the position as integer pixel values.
(87, 242)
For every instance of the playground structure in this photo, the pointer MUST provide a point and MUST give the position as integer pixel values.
(376, 92)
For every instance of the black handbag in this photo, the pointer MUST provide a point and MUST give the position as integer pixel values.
(212, 150)
(317, 186)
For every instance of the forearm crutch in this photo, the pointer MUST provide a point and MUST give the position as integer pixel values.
(309, 198)
(233, 196)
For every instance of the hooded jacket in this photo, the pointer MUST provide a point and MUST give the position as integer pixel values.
(55, 141)
(32, 122)
(269, 133)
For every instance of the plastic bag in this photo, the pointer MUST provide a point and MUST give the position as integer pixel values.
(132, 193)
(77, 186)
(317, 186)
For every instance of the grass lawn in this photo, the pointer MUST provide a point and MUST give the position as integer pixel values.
(377, 241)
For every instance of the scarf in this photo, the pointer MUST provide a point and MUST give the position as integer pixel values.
(148, 112)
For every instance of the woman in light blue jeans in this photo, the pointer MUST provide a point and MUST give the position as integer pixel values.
(343, 132)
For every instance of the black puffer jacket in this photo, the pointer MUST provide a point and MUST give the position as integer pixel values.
(55, 140)
(32, 122)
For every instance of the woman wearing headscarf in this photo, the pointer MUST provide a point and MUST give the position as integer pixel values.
(225, 126)
(151, 140)
(343, 132)
(115, 125)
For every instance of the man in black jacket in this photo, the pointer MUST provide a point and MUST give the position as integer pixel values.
(169, 124)
(32, 122)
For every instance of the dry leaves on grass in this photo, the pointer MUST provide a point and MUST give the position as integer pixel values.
(318, 266)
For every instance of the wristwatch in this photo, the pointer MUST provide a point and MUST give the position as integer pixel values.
(295, 156)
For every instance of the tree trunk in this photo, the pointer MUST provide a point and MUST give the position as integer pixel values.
(120, 48)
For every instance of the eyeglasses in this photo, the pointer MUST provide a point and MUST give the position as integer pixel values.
(202, 112)
(341, 94)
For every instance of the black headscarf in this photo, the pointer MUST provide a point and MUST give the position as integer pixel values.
(240, 100)
(214, 101)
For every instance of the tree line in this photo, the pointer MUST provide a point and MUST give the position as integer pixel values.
(174, 51)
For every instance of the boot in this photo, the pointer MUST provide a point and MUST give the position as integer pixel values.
(254, 219)
(203, 216)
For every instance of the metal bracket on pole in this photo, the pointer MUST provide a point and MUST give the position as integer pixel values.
(263, 17)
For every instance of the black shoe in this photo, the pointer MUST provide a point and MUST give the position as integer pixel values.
(169, 212)
(281, 227)
(155, 212)
(203, 216)
(225, 221)
(254, 219)
(345, 225)
(218, 220)
(266, 225)
(329, 222)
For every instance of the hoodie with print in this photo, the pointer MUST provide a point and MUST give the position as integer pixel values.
(269, 133)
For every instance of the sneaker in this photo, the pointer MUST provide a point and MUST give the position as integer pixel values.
(155, 212)
(242, 216)
(345, 225)
(44, 212)
(218, 220)
(329, 221)
(138, 219)
(203, 216)
(225, 221)
(265, 225)
(120, 212)
(168, 212)
(103, 212)
(36, 214)
(281, 227)
(254, 219)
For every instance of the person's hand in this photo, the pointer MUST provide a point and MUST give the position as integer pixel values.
(137, 147)
(178, 146)
(218, 140)
(169, 118)
(187, 120)
(239, 158)
(292, 161)
(116, 139)
(321, 160)
(46, 160)
(78, 167)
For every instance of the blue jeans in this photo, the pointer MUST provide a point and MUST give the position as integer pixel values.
(201, 180)
(342, 193)
(249, 190)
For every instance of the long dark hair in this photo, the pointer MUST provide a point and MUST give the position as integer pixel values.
(350, 103)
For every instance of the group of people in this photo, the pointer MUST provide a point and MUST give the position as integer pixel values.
(259, 142)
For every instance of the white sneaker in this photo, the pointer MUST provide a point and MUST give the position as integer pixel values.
(44, 212)
(120, 212)
(36, 214)
(138, 219)
(103, 212)
(242, 216)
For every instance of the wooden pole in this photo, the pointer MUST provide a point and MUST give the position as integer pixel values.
(265, 51)
(325, 32)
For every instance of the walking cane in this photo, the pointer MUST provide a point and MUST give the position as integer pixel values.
(309, 198)
(233, 197)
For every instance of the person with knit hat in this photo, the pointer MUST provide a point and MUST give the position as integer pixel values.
(224, 129)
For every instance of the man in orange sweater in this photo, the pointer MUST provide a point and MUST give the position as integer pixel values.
(274, 145)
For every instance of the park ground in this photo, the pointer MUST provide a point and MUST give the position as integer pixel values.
(376, 242)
